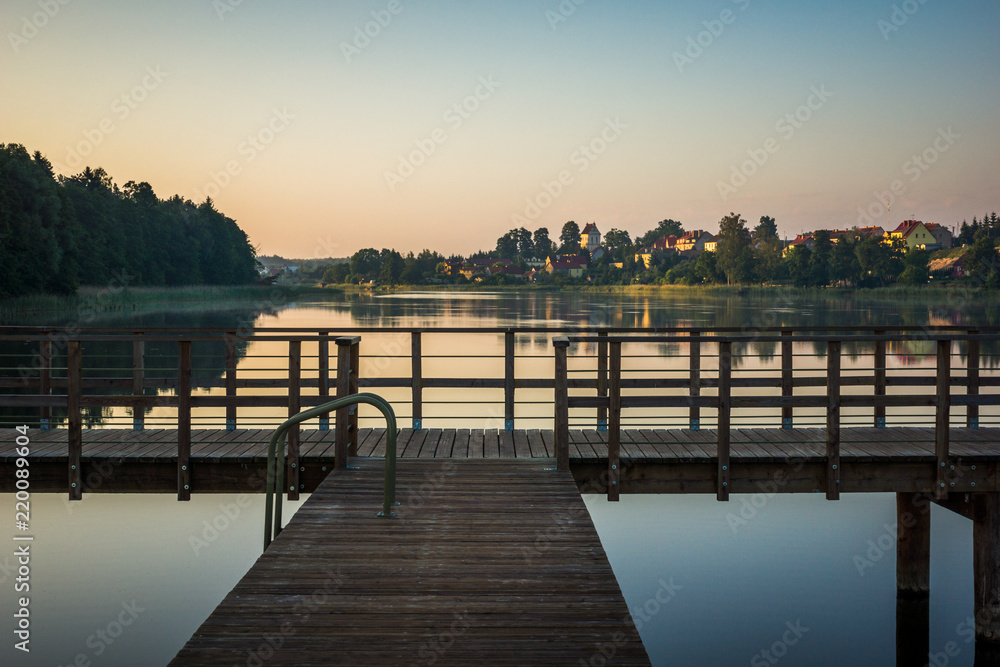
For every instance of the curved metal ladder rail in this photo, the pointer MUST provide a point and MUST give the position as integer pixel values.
(276, 474)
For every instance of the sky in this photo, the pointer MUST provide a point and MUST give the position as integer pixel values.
(326, 127)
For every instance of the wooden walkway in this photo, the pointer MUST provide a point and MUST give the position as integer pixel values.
(463, 576)
(683, 445)
(653, 461)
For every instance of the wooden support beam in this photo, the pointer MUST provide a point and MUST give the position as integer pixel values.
(138, 379)
(694, 413)
(74, 377)
(294, 407)
(417, 375)
(833, 470)
(231, 380)
(880, 379)
(972, 382)
(323, 354)
(508, 400)
(45, 381)
(725, 409)
(942, 428)
(561, 403)
(615, 423)
(913, 545)
(986, 562)
(345, 360)
(787, 378)
(602, 381)
(184, 421)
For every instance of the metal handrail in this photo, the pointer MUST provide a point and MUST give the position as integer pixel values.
(276, 474)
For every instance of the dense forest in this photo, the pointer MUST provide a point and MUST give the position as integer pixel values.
(745, 256)
(57, 233)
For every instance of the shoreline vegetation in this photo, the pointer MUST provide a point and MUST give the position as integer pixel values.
(102, 301)
(668, 255)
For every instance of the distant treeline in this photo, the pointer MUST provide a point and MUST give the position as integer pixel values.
(744, 256)
(57, 233)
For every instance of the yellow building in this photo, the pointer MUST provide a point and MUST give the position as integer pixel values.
(913, 233)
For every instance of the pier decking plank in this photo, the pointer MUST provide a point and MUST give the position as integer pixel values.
(461, 563)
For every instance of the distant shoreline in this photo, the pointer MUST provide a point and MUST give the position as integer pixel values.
(108, 300)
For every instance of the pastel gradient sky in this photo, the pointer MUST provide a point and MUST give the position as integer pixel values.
(667, 120)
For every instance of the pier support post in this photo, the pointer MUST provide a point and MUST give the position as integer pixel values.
(561, 402)
(986, 563)
(323, 351)
(725, 410)
(138, 380)
(942, 427)
(833, 420)
(184, 421)
(972, 382)
(45, 381)
(880, 379)
(74, 417)
(787, 378)
(694, 413)
(231, 381)
(294, 407)
(347, 358)
(615, 423)
(913, 579)
(602, 380)
(417, 381)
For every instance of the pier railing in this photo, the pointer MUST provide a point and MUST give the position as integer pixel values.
(187, 379)
(612, 399)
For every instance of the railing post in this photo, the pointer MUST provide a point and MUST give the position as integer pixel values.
(561, 345)
(833, 420)
(508, 400)
(74, 381)
(138, 380)
(787, 379)
(417, 380)
(231, 381)
(294, 407)
(943, 416)
(725, 410)
(972, 382)
(695, 380)
(323, 352)
(615, 423)
(880, 383)
(345, 371)
(184, 421)
(602, 379)
(353, 384)
(45, 381)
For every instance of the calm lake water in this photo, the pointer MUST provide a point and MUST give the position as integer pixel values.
(124, 580)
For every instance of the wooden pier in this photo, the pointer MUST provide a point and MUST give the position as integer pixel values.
(463, 575)
(862, 443)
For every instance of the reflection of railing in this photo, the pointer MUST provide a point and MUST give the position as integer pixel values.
(276, 459)
(294, 369)
(614, 402)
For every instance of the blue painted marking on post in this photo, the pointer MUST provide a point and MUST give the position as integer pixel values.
(696, 424)
(786, 423)
(418, 424)
(44, 425)
(324, 424)
(602, 424)
(880, 422)
(509, 425)
(974, 422)
(230, 424)
(137, 424)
